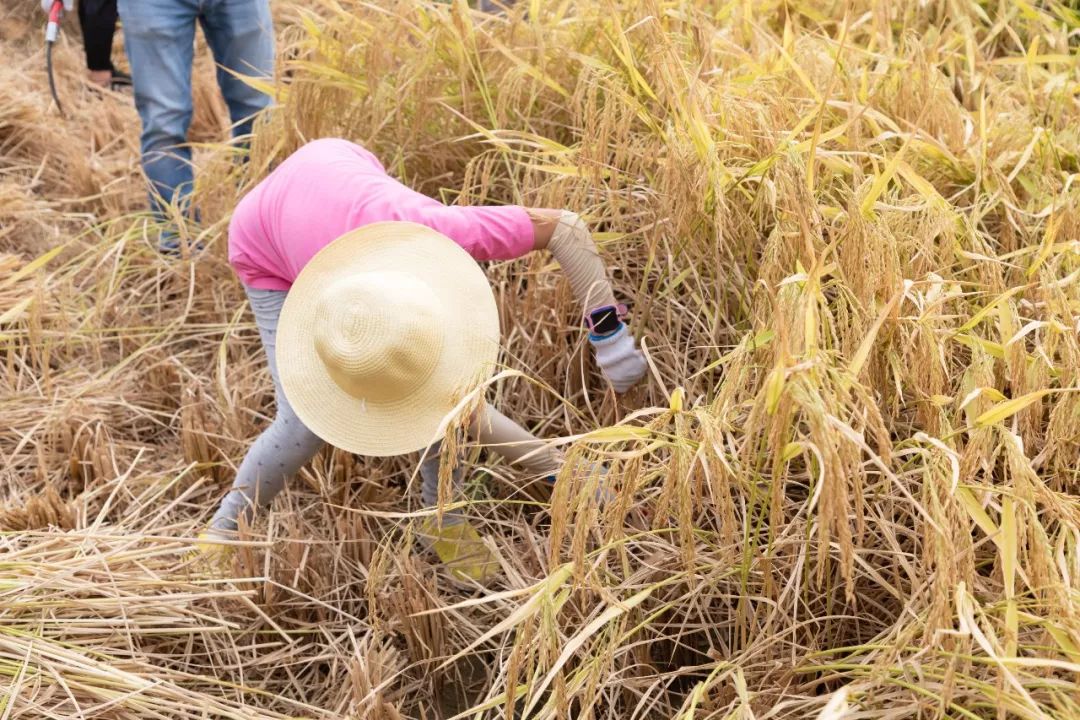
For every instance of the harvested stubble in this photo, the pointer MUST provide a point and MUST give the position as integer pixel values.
(849, 234)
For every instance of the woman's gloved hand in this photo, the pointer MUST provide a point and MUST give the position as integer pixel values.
(46, 5)
(619, 358)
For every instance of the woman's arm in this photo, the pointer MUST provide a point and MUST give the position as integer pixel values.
(544, 222)
(514, 443)
(568, 238)
(504, 232)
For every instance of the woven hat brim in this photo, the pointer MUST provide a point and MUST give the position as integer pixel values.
(469, 353)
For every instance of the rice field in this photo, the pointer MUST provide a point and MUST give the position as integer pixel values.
(850, 235)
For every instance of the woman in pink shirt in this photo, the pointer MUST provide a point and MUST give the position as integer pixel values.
(330, 187)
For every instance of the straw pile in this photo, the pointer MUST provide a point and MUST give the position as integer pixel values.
(848, 232)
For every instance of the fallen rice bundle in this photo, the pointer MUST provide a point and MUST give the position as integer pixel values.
(849, 234)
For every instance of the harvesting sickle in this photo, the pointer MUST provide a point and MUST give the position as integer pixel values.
(56, 9)
(375, 335)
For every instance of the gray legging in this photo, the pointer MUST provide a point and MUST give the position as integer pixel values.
(287, 445)
(284, 447)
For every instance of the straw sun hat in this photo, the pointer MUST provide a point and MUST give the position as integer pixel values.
(383, 332)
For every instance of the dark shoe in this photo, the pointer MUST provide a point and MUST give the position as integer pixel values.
(120, 80)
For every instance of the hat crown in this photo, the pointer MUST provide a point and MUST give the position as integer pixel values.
(378, 334)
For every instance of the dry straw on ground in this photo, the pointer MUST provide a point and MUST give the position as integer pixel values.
(849, 234)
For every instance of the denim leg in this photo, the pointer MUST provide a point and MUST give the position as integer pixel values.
(159, 37)
(241, 35)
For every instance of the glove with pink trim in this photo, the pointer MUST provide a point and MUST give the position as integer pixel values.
(619, 358)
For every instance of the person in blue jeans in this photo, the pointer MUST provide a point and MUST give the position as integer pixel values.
(159, 37)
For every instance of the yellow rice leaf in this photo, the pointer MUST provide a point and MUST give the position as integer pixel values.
(1031, 327)
(881, 182)
(816, 136)
(1024, 156)
(564, 170)
(857, 362)
(1007, 319)
(795, 278)
(978, 513)
(1008, 572)
(700, 690)
(618, 433)
(33, 266)
(699, 132)
(613, 611)
(935, 152)
(1046, 58)
(545, 589)
(759, 168)
(986, 639)
(16, 311)
(529, 69)
(774, 389)
(989, 347)
(591, 61)
(606, 238)
(981, 315)
(993, 393)
(792, 450)
(311, 27)
(491, 704)
(622, 49)
(266, 87)
(760, 340)
(810, 314)
(1047, 245)
(923, 186)
(333, 75)
(1070, 648)
(1026, 10)
(1009, 408)
(695, 699)
(678, 280)
(801, 74)
(810, 11)
(677, 396)
(527, 141)
(741, 690)
(827, 136)
(830, 212)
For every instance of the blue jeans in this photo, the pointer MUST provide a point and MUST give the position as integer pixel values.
(159, 37)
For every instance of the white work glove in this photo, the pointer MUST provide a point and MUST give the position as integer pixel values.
(46, 5)
(619, 359)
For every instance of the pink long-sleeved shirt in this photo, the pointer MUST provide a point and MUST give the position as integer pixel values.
(331, 186)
